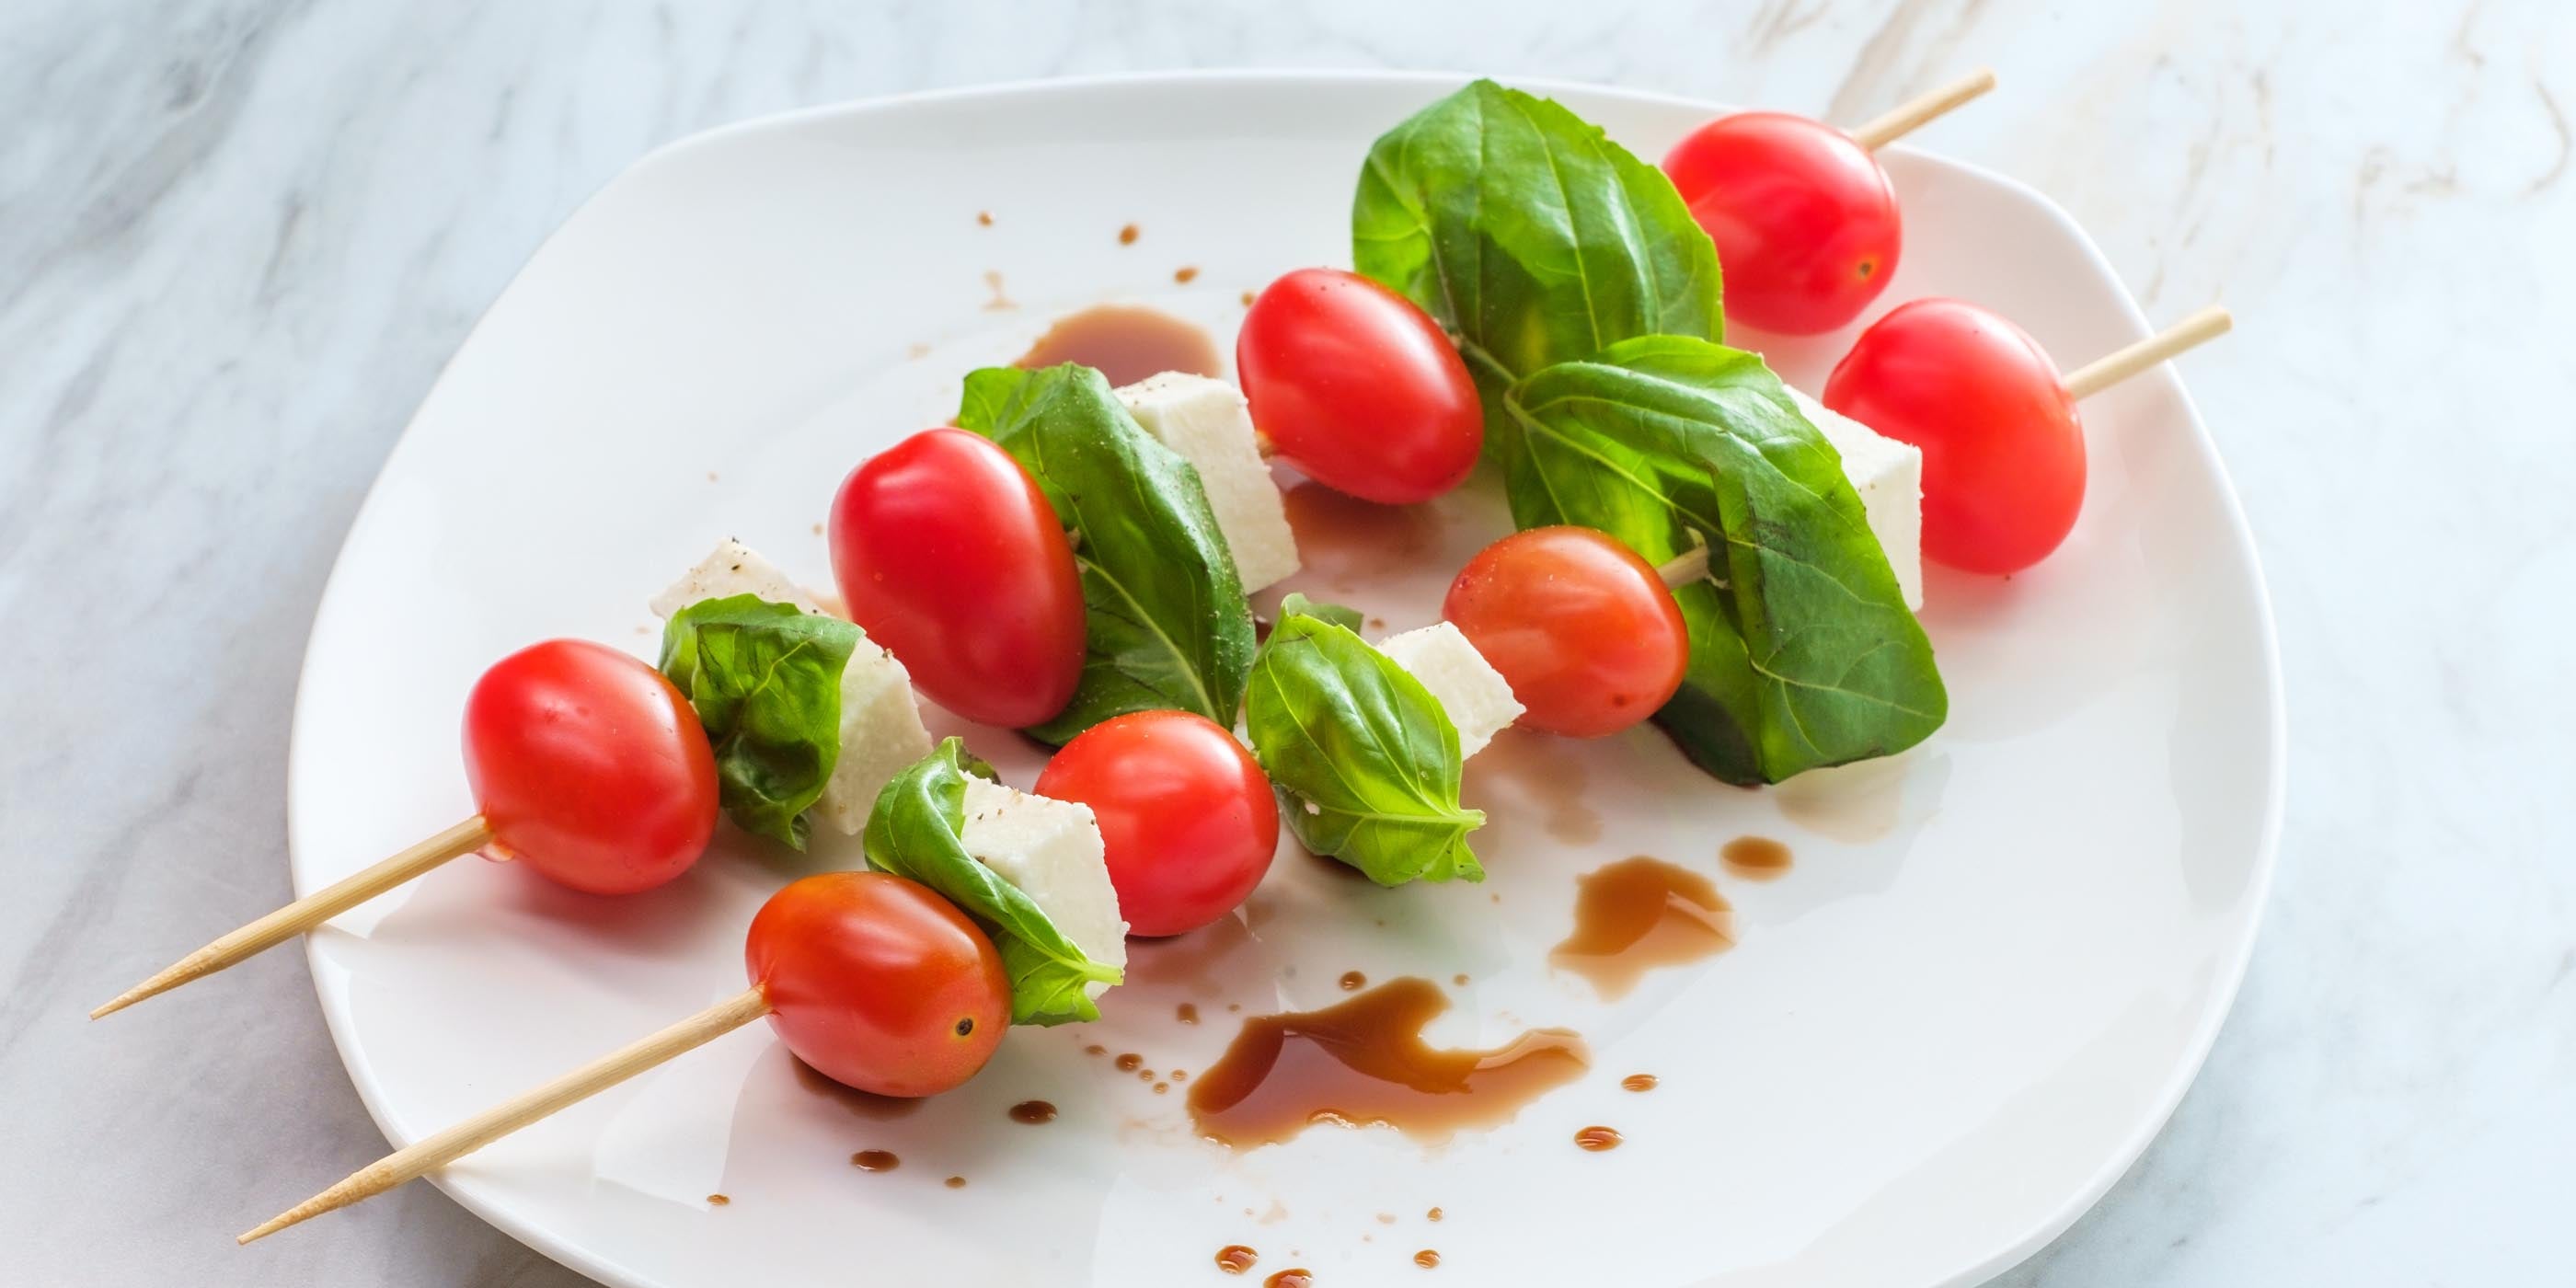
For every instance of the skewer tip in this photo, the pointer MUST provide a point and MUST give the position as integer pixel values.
(362, 1185)
(2200, 328)
(153, 987)
(1915, 113)
(263, 1229)
(310, 911)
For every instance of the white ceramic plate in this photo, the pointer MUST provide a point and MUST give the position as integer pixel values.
(1995, 967)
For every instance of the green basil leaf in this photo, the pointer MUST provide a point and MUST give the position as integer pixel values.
(766, 681)
(1297, 605)
(1531, 236)
(1167, 623)
(1365, 761)
(1802, 651)
(917, 832)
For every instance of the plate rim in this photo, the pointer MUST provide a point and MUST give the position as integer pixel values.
(2239, 534)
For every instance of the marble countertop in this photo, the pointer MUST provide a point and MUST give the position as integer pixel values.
(238, 238)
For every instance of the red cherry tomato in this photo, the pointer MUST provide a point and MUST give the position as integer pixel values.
(2003, 449)
(878, 983)
(1188, 816)
(949, 556)
(589, 767)
(1804, 219)
(1581, 628)
(1357, 388)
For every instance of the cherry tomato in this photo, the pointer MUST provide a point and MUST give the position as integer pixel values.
(949, 556)
(878, 983)
(1581, 628)
(1188, 816)
(589, 767)
(1804, 219)
(2003, 449)
(1357, 388)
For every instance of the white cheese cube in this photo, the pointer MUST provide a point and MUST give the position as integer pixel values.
(1052, 851)
(881, 729)
(1474, 694)
(1207, 423)
(1889, 477)
(881, 736)
(734, 569)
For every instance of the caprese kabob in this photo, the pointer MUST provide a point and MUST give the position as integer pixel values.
(1982, 455)
(899, 980)
(1584, 294)
(982, 907)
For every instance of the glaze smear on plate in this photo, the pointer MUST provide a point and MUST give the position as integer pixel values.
(1364, 1062)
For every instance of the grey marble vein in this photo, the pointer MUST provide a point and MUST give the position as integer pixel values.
(238, 238)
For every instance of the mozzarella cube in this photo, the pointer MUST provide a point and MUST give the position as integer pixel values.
(1468, 687)
(881, 729)
(1889, 477)
(881, 736)
(1208, 424)
(734, 569)
(1052, 851)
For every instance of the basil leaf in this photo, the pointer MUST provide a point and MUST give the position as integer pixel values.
(917, 832)
(1802, 651)
(1531, 236)
(1296, 604)
(1167, 623)
(1365, 761)
(766, 681)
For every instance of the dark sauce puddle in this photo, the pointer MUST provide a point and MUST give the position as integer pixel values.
(1637, 914)
(1364, 1063)
(1127, 342)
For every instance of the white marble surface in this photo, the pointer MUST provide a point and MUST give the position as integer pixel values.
(238, 239)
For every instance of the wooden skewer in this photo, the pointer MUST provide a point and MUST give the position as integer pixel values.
(492, 1124)
(1684, 568)
(309, 911)
(1915, 114)
(2110, 369)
